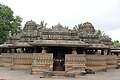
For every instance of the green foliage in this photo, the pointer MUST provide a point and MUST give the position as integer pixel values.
(102, 36)
(9, 24)
(42, 25)
(77, 27)
(116, 43)
(100, 33)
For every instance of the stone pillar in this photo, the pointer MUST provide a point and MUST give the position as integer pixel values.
(102, 52)
(8, 50)
(15, 50)
(43, 50)
(108, 52)
(105, 52)
(86, 51)
(96, 51)
(92, 51)
(35, 50)
(83, 52)
(74, 51)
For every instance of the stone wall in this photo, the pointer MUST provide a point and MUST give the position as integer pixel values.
(22, 61)
(75, 62)
(96, 62)
(111, 61)
(6, 59)
(39, 62)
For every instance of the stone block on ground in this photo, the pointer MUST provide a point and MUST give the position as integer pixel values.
(70, 74)
(89, 71)
(47, 74)
(83, 73)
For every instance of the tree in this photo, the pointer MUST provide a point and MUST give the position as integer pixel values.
(77, 27)
(9, 24)
(100, 33)
(42, 25)
(116, 43)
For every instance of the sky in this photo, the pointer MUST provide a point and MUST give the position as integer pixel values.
(103, 14)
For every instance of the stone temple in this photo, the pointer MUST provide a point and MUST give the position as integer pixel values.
(58, 49)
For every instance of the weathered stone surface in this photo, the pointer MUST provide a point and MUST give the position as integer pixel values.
(70, 75)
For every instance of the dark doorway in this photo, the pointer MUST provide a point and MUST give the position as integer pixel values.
(58, 59)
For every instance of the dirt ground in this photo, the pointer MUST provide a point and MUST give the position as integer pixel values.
(7, 74)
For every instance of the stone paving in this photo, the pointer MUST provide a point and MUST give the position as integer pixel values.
(7, 74)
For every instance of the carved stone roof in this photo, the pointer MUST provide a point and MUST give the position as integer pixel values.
(93, 45)
(117, 50)
(59, 43)
(87, 24)
(30, 25)
(5, 45)
(87, 28)
(59, 28)
(58, 35)
(20, 44)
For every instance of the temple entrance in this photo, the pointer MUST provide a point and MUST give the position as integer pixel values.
(58, 59)
(59, 62)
